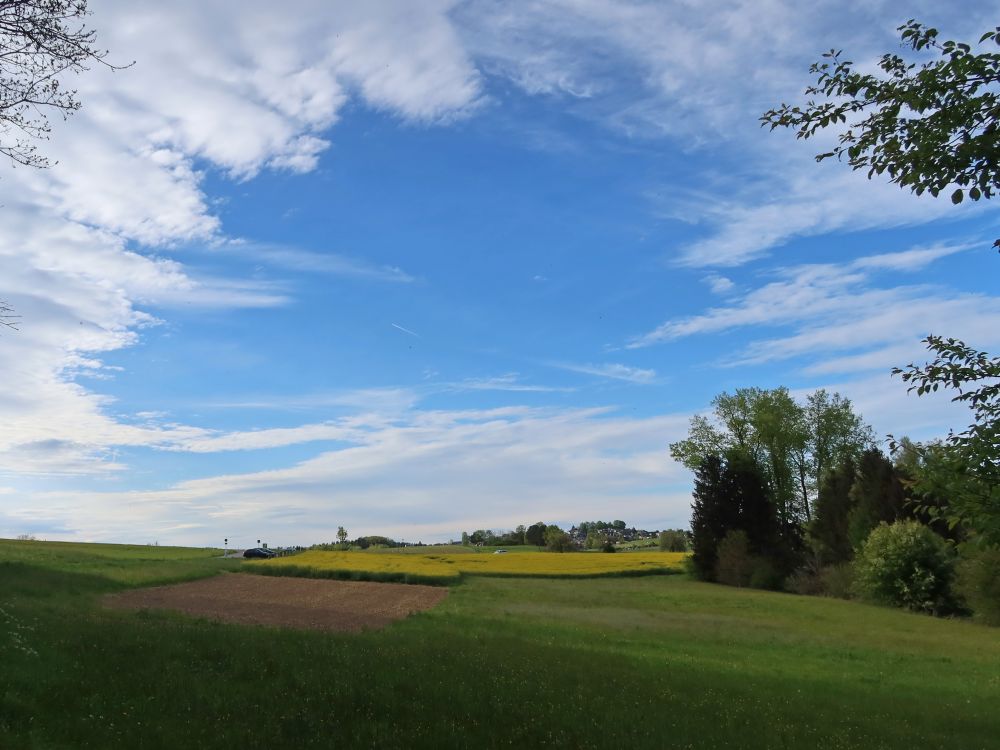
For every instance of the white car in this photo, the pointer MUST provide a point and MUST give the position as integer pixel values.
(500, 552)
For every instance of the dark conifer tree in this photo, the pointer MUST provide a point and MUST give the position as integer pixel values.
(711, 516)
(732, 494)
(829, 529)
(755, 513)
(877, 495)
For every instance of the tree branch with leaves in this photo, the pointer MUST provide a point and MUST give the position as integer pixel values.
(965, 468)
(929, 127)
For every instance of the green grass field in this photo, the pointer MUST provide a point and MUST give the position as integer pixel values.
(642, 662)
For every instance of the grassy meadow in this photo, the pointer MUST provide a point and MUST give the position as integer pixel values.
(448, 568)
(647, 662)
(123, 564)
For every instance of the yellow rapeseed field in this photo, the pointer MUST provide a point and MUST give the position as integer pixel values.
(447, 567)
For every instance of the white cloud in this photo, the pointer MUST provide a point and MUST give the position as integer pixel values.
(839, 314)
(802, 199)
(612, 370)
(910, 260)
(367, 400)
(428, 475)
(211, 88)
(86, 245)
(510, 381)
(719, 284)
(702, 76)
(306, 261)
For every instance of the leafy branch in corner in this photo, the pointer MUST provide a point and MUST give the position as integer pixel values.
(966, 467)
(929, 127)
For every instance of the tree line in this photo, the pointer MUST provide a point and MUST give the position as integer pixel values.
(550, 536)
(799, 496)
(928, 127)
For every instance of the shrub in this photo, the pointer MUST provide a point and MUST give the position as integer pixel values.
(764, 574)
(837, 580)
(979, 584)
(905, 564)
(735, 563)
(804, 581)
(673, 540)
(690, 567)
(830, 580)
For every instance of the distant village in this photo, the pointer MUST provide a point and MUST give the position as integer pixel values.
(585, 535)
(582, 536)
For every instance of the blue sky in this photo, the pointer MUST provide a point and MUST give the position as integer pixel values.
(415, 269)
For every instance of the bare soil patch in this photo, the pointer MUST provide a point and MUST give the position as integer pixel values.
(285, 601)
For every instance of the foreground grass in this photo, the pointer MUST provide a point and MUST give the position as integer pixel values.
(647, 662)
(437, 568)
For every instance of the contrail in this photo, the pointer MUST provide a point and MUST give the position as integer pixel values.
(405, 330)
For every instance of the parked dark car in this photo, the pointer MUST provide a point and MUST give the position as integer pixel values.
(259, 552)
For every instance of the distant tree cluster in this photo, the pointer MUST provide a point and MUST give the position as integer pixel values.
(674, 540)
(557, 540)
(749, 529)
(362, 542)
(592, 535)
(533, 535)
(886, 528)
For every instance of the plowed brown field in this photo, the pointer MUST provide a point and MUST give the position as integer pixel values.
(286, 602)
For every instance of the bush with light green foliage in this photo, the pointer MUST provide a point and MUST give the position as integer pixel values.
(905, 564)
(979, 584)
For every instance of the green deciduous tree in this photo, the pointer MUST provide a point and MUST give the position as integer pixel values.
(792, 443)
(905, 564)
(535, 534)
(930, 127)
(979, 584)
(964, 471)
(673, 540)
(557, 540)
(834, 433)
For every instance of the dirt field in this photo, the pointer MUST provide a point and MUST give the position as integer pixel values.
(287, 602)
